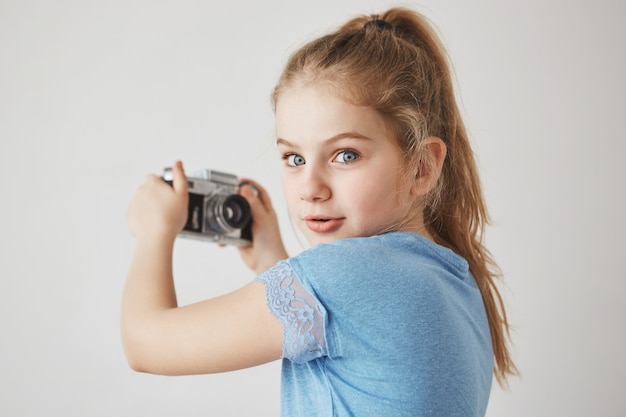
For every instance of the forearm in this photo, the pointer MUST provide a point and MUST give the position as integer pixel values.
(228, 332)
(149, 291)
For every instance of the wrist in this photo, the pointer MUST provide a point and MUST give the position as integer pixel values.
(155, 239)
(270, 261)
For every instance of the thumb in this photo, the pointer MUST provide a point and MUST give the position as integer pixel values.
(179, 178)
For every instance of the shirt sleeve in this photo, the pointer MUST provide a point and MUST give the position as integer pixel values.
(301, 315)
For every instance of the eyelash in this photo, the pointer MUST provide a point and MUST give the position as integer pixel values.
(343, 151)
(286, 157)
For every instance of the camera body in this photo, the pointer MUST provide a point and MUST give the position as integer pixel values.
(216, 212)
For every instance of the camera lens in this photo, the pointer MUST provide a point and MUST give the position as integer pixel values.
(236, 211)
(228, 213)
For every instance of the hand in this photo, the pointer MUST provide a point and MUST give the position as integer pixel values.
(267, 246)
(158, 210)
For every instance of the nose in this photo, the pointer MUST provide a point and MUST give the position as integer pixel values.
(314, 185)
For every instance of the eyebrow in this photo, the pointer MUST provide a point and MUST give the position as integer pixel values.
(341, 136)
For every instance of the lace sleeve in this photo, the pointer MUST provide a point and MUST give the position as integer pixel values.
(298, 311)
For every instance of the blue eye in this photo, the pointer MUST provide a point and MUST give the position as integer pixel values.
(294, 160)
(347, 156)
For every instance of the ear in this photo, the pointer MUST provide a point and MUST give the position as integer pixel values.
(429, 166)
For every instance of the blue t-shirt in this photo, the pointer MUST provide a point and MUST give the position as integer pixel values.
(389, 325)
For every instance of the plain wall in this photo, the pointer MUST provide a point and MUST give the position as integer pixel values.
(95, 95)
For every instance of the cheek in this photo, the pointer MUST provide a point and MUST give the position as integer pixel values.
(364, 195)
(381, 197)
(290, 194)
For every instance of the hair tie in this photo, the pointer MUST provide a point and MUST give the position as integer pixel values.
(378, 23)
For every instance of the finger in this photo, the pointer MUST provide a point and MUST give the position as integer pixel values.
(259, 192)
(179, 178)
(247, 184)
(251, 183)
(257, 209)
(249, 193)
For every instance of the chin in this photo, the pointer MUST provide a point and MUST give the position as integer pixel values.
(326, 239)
(315, 240)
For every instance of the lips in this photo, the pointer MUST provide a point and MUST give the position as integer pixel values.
(322, 224)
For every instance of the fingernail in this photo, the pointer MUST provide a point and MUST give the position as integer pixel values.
(255, 191)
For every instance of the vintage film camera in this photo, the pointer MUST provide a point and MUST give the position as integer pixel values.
(216, 212)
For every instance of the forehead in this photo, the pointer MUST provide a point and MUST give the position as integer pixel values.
(310, 113)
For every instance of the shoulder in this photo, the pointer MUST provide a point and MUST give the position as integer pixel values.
(384, 251)
(367, 267)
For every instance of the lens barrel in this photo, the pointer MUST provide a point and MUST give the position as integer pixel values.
(227, 213)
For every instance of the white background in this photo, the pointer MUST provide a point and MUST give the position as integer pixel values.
(95, 95)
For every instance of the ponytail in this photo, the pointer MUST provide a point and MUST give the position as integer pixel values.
(395, 63)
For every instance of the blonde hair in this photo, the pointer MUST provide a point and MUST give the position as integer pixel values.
(395, 64)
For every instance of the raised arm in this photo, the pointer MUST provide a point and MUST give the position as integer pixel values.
(225, 333)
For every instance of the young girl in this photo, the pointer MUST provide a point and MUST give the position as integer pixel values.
(394, 309)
